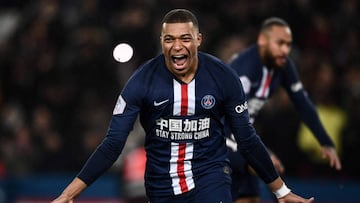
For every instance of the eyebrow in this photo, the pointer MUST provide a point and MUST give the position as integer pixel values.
(183, 35)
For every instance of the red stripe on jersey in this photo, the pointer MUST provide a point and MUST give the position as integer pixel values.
(267, 84)
(184, 99)
(182, 146)
(180, 167)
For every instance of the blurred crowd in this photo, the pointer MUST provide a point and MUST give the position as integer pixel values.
(59, 82)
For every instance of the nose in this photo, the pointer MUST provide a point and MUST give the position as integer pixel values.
(177, 44)
(286, 49)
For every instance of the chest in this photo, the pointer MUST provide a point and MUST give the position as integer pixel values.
(264, 84)
(173, 98)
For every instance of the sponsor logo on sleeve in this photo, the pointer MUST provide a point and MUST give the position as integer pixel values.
(120, 106)
(296, 87)
(241, 107)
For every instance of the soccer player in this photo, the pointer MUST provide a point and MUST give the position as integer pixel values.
(182, 97)
(262, 69)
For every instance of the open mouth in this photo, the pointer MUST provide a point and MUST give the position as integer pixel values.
(179, 60)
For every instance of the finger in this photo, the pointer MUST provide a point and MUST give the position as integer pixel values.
(334, 161)
(311, 199)
(337, 164)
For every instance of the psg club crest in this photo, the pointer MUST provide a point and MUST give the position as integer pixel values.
(208, 101)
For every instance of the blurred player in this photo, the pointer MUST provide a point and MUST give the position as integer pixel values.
(262, 69)
(182, 96)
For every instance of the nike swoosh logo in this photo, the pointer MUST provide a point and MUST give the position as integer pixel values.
(160, 103)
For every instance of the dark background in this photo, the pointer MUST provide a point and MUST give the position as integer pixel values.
(59, 82)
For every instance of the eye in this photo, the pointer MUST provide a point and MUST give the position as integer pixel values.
(186, 39)
(168, 39)
(283, 42)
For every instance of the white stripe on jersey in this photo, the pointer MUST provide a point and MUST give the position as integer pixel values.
(180, 168)
(182, 153)
(191, 98)
(178, 97)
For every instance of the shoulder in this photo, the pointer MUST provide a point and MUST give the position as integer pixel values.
(142, 79)
(148, 68)
(248, 55)
(145, 74)
(219, 72)
(290, 63)
(246, 60)
(213, 64)
(151, 64)
(290, 67)
(247, 63)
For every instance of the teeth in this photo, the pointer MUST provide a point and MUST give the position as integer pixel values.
(179, 56)
(179, 59)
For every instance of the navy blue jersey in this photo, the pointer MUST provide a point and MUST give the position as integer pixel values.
(184, 125)
(260, 82)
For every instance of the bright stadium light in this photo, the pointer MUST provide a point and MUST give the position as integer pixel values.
(123, 52)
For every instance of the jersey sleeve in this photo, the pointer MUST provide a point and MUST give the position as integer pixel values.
(304, 106)
(124, 115)
(249, 143)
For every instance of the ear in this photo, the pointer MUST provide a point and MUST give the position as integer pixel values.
(199, 39)
(261, 39)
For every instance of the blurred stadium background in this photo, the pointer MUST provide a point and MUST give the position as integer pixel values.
(59, 84)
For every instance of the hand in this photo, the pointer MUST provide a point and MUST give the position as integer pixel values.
(291, 197)
(62, 199)
(330, 153)
(71, 191)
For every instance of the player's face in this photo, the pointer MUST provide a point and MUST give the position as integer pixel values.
(277, 46)
(180, 42)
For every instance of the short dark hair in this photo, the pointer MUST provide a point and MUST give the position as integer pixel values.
(180, 16)
(269, 22)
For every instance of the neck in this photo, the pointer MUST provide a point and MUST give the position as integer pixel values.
(186, 78)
